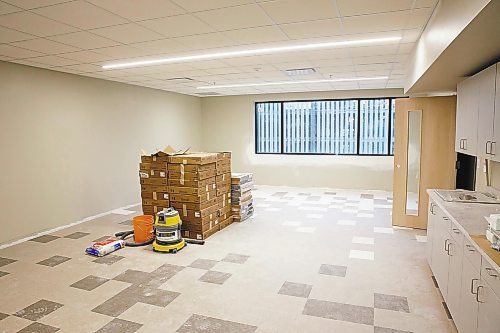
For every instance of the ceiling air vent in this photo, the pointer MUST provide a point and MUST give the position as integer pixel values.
(208, 93)
(300, 71)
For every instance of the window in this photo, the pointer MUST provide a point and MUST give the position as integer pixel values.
(338, 127)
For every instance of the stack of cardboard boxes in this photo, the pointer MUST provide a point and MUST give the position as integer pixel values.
(198, 186)
(241, 196)
(154, 187)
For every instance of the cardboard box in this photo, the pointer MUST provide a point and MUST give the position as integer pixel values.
(191, 167)
(189, 214)
(224, 155)
(200, 227)
(154, 195)
(191, 190)
(193, 219)
(144, 166)
(152, 210)
(224, 190)
(241, 178)
(193, 198)
(158, 157)
(152, 202)
(224, 210)
(192, 175)
(200, 235)
(224, 170)
(154, 188)
(224, 200)
(191, 183)
(223, 177)
(224, 163)
(153, 181)
(226, 222)
(193, 158)
(182, 206)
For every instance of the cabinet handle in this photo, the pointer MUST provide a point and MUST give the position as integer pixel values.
(487, 143)
(462, 144)
(447, 248)
(477, 294)
(490, 270)
(446, 218)
(432, 208)
(472, 286)
(470, 247)
(493, 146)
(455, 230)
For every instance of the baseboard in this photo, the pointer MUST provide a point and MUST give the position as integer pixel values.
(49, 231)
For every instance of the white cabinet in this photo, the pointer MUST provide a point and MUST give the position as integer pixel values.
(496, 133)
(486, 81)
(467, 116)
(466, 320)
(456, 254)
(488, 319)
(440, 262)
(431, 222)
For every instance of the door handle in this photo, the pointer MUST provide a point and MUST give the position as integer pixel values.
(477, 294)
(472, 286)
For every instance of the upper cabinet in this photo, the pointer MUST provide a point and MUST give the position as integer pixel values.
(478, 115)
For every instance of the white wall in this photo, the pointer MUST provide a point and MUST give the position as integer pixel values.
(228, 124)
(71, 145)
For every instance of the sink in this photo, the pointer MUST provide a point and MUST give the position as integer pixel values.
(467, 196)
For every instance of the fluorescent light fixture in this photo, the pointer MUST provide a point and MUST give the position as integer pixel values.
(281, 83)
(241, 53)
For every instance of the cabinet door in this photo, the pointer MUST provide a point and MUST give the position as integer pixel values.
(430, 230)
(466, 321)
(440, 260)
(495, 151)
(486, 111)
(488, 319)
(456, 253)
(467, 116)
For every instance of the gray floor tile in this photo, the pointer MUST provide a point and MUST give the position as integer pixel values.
(109, 259)
(126, 222)
(333, 270)
(388, 330)
(197, 323)
(120, 326)
(366, 196)
(3, 274)
(133, 276)
(77, 235)
(215, 277)
(117, 304)
(3, 316)
(6, 261)
(53, 261)
(391, 302)
(203, 264)
(100, 239)
(153, 296)
(38, 310)
(38, 328)
(295, 289)
(339, 311)
(236, 258)
(44, 239)
(89, 283)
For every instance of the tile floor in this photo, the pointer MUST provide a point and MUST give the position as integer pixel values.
(310, 260)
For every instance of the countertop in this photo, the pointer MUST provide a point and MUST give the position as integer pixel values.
(470, 218)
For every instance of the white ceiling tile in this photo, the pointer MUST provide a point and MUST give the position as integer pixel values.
(425, 3)
(34, 24)
(30, 4)
(45, 46)
(411, 35)
(256, 35)
(197, 5)
(406, 48)
(121, 51)
(378, 59)
(8, 35)
(5, 8)
(376, 22)
(373, 73)
(85, 68)
(360, 7)
(177, 26)
(293, 65)
(84, 39)
(313, 29)
(17, 52)
(145, 10)
(128, 33)
(81, 14)
(85, 56)
(335, 53)
(161, 46)
(205, 41)
(206, 64)
(374, 50)
(239, 17)
(419, 18)
(287, 11)
(29, 63)
(53, 61)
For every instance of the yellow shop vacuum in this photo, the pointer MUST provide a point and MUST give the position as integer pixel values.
(168, 236)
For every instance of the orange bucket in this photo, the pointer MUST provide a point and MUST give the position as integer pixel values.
(143, 228)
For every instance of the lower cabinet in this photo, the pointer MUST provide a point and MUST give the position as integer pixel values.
(469, 285)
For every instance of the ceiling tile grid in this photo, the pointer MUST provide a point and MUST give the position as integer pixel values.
(79, 37)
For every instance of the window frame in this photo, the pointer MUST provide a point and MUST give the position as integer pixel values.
(358, 124)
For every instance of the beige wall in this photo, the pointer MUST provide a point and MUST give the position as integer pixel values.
(228, 124)
(70, 144)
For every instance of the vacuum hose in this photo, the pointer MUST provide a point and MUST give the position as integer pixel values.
(125, 234)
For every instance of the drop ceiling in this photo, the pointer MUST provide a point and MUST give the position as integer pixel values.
(79, 37)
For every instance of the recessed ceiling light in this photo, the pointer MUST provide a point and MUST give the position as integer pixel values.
(280, 83)
(268, 50)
